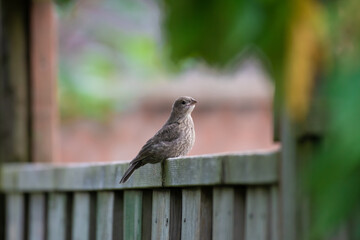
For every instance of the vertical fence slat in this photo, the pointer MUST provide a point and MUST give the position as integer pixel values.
(57, 214)
(196, 214)
(161, 215)
(223, 209)
(228, 213)
(132, 214)
(81, 216)
(257, 214)
(275, 227)
(37, 211)
(104, 222)
(15, 216)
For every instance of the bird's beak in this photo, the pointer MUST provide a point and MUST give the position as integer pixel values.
(193, 101)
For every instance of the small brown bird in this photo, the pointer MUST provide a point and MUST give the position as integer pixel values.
(174, 139)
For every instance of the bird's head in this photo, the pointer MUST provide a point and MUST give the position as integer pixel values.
(182, 107)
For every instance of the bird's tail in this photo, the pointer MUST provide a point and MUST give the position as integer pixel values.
(130, 171)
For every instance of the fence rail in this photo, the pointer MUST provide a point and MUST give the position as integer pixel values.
(206, 197)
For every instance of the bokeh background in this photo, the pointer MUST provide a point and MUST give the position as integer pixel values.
(117, 82)
(122, 63)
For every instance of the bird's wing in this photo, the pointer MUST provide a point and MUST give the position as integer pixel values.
(166, 134)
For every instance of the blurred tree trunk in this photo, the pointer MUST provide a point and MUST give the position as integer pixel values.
(14, 88)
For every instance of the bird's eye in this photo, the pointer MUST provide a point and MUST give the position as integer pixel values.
(183, 102)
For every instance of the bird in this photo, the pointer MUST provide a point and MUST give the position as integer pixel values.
(175, 138)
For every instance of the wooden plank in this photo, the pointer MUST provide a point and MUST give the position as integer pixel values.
(252, 169)
(249, 169)
(132, 214)
(223, 210)
(275, 222)
(101, 176)
(27, 177)
(57, 216)
(15, 215)
(81, 216)
(228, 213)
(43, 81)
(257, 214)
(196, 214)
(104, 219)
(192, 171)
(37, 216)
(161, 215)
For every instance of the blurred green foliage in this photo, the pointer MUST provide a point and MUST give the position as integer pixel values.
(218, 31)
(334, 174)
(105, 47)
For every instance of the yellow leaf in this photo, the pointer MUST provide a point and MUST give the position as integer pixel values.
(304, 54)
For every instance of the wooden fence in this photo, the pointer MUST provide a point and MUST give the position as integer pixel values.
(206, 197)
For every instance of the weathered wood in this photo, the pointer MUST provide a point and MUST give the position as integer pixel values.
(37, 216)
(102, 176)
(104, 222)
(223, 213)
(57, 216)
(228, 213)
(193, 171)
(252, 169)
(161, 215)
(43, 81)
(196, 214)
(259, 168)
(257, 225)
(15, 216)
(132, 214)
(81, 216)
(275, 223)
(36, 177)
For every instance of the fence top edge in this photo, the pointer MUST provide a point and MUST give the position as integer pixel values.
(102, 176)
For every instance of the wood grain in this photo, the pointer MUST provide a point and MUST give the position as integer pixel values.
(249, 169)
(257, 223)
(161, 215)
(81, 216)
(132, 214)
(57, 216)
(37, 216)
(15, 216)
(196, 214)
(104, 215)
